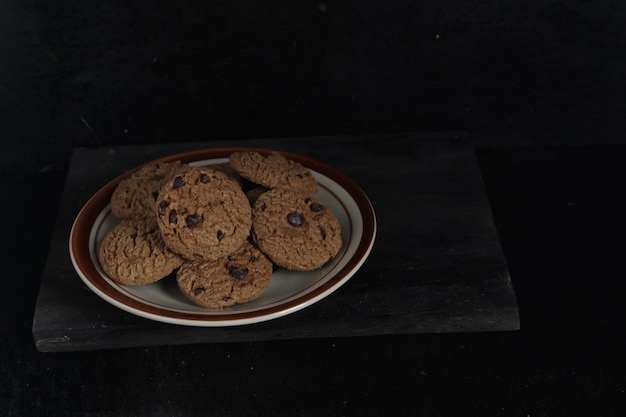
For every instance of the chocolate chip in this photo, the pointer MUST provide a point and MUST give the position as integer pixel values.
(178, 182)
(193, 220)
(323, 233)
(315, 207)
(155, 195)
(205, 179)
(237, 272)
(198, 290)
(295, 219)
(173, 217)
(220, 235)
(162, 206)
(254, 260)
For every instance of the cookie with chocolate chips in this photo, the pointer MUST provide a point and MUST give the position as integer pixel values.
(135, 195)
(225, 168)
(203, 214)
(237, 278)
(273, 171)
(133, 253)
(296, 232)
(254, 193)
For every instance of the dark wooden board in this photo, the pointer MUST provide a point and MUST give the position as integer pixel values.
(437, 265)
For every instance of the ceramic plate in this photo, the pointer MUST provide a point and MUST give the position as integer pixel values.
(288, 292)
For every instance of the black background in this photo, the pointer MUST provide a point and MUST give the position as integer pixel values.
(540, 86)
(83, 73)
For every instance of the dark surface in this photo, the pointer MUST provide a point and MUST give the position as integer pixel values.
(538, 85)
(436, 266)
(559, 213)
(512, 72)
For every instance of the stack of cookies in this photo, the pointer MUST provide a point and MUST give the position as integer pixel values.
(221, 229)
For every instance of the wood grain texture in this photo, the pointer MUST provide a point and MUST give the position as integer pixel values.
(437, 265)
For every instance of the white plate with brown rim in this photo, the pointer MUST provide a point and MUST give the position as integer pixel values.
(289, 291)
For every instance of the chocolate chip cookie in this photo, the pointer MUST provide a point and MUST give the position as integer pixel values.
(203, 214)
(273, 171)
(254, 193)
(136, 194)
(296, 232)
(133, 253)
(237, 278)
(225, 168)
